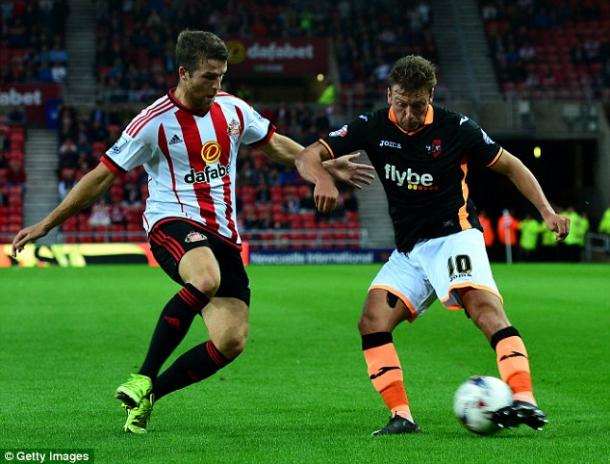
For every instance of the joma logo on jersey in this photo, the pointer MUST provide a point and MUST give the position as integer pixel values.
(207, 175)
(210, 152)
(413, 180)
(389, 143)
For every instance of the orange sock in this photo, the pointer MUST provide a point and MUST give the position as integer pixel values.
(385, 372)
(514, 367)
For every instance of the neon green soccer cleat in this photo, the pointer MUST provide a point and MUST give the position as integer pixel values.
(138, 417)
(132, 392)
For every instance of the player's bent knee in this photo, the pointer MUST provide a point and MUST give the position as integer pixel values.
(382, 312)
(206, 283)
(379, 320)
(232, 346)
(368, 323)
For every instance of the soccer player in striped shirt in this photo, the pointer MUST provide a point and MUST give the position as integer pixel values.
(188, 141)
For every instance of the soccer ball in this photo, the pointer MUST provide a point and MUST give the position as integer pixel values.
(477, 399)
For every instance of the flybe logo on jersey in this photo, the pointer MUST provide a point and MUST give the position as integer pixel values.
(412, 179)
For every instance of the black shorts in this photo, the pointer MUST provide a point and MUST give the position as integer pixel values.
(170, 240)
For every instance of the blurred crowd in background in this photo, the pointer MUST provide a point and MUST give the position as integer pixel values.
(550, 48)
(32, 41)
(541, 49)
(136, 39)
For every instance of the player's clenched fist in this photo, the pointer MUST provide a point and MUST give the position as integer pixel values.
(558, 224)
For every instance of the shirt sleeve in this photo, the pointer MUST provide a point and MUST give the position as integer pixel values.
(258, 129)
(347, 139)
(479, 146)
(128, 152)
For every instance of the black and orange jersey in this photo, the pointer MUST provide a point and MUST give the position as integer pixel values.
(424, 173)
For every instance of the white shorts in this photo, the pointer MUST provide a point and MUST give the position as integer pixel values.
(436, 268)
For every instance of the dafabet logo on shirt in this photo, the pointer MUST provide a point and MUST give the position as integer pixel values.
(210, 152)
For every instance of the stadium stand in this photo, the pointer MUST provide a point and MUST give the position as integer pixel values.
(32, 50)
(32, 41)
(12, 174)
(82, 141)
(134, 57)
(368, 39)
(553, 49)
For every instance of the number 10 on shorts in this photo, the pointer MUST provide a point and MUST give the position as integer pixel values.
(459, 264)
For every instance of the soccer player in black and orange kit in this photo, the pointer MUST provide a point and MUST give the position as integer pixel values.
(421, 153)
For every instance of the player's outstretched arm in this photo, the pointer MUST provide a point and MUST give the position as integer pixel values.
(527, 184)
(284, 150)
(345, 170)
(88, 189)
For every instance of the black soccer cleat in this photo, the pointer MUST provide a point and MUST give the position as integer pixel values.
(397, 426)
(520, 412)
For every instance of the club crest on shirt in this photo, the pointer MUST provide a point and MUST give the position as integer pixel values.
(195, 237)
(435, 149)
(339, 133)
(234, 127)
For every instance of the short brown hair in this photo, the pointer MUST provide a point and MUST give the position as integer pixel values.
(194, 46)
(413, 72)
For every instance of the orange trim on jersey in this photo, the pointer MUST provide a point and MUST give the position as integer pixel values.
(402, 298)
(327, 146)
(468, 285)
(429, 119)
(463, 213)
(496, 158)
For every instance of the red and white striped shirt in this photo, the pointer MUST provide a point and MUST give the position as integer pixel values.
(190, 159)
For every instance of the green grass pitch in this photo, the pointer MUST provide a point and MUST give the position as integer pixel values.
(299, 393)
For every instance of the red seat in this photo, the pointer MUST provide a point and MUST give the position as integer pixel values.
(98, 147)
(304, 191)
